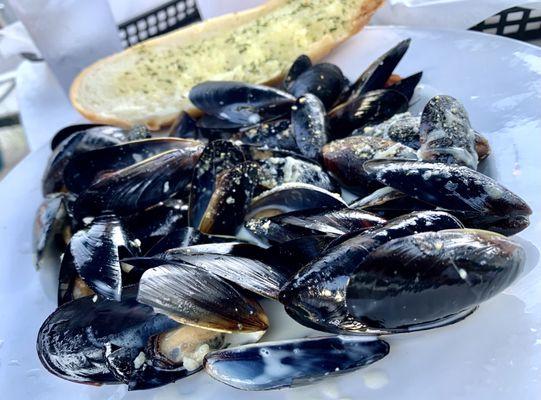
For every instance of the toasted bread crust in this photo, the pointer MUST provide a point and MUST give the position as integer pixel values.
(208, 28)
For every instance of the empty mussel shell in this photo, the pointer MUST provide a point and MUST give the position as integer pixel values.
(427, 277)
(289, 363)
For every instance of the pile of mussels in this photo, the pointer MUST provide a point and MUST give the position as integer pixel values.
(166, 245)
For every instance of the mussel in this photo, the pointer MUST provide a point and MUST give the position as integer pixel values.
(316, 296)
(309, 125)
(275, 365)
(477, 199)
(426, 278)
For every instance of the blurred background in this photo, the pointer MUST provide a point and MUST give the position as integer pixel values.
(45, 43)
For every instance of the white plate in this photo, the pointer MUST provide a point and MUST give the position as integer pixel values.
(494, 354)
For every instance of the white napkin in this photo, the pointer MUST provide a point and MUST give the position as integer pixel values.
(459, 14)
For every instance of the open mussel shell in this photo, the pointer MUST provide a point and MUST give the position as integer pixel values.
(228, 204)
(154, 223)
(138, 186)
(301, 64)
(249, 273)
(94, 254)
(289, 363)
(377, 74)
(171, 355)
(72, 341)
(316, 295)
(446, 134)
(196, 297)
(293, 225)
(458, 189)
(77, 143)
(217, 157)
(239, 102)
(344, 158)
(325, 81)
(291, 197)
(309, 125)
(51, 226)
(401, 128)
(85, 168)
(430, 276)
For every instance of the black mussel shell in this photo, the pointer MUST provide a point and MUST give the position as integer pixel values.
(344, 158)
(407, 85)
(230, 200)
(183, 237)
(240, 103)
(309, 125)
(94, 254)
(368, 109)
(84, 169)
(390, 203)
(138, 186)
(301, 64)
(293, 225)
(77, 143)
(296, 253)
(458, 189)
(377, 74)
(185, 127)
(272, 134)
(426, 277)
(156, 222)
(446, 134)
(217, 157)
(316, 295)
(289, 363)
(247, 272)
(72, 341)
(291, 197)
(66, 132)
(196, 297)
(402, 128)
(213, 128)
(51, 225)
(324, 80)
